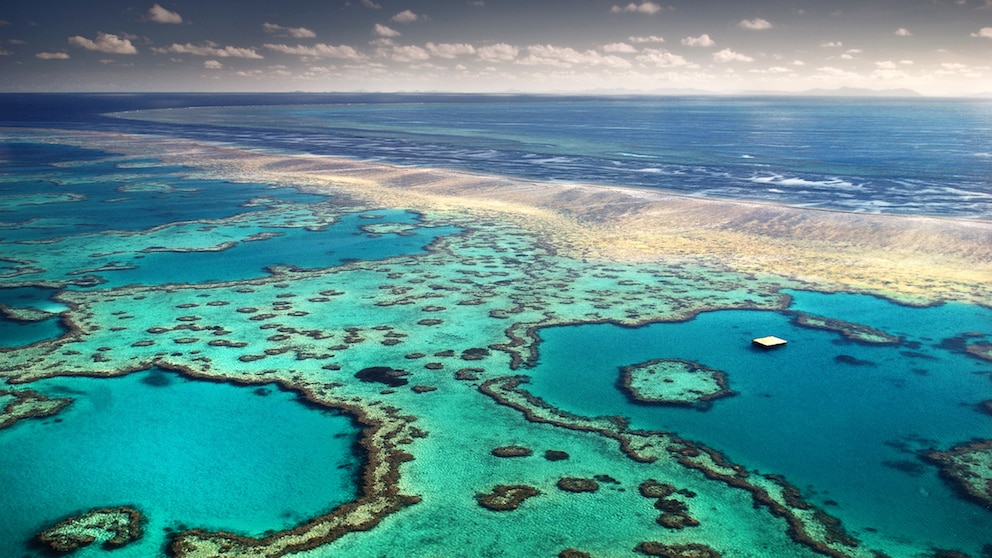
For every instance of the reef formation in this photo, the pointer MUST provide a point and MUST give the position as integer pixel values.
(429, 351)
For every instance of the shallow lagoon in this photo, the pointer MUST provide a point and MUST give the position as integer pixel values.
(193, 452)
(803, 407)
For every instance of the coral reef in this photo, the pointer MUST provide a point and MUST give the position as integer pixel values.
(577, 484)
(29, 404)
(968, 468)
(512, 451)
(114, 527)
(676, 550)
(673, 382)
(506, 497)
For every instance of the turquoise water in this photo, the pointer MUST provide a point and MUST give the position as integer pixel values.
(196, 453)
(336, 244)
(16, 333)
(844, 431)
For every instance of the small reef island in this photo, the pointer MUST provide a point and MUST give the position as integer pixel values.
(673, 382)
(429, 342)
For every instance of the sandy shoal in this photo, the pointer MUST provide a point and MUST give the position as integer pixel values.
(915, 259)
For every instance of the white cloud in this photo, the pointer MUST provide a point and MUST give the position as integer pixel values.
(566, 57)
(621, 48)
(212, 65)
(408, 54)
(831, 44)
(5, 52)
(642, 8)
(778, 70)
(831, 72)
(703, 40)
(371, 4)
(211, 49)
(727, 55)
(499, 52)
(903, 32)
(294, 32)
(983, 33)
(886, 65)
(52, 56)
(105, 42)
(798, 63)
(661, 58)
(648, 39)
(319, 50)
(406, 16)
(383, 31)
(158, 14)
(450, 50)
(756, 24)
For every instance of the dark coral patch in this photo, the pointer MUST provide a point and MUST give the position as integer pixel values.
(512, 451)
(555, 455)
(383, 375)
(691, 550)
(577, 484)
(654, 489)
(475, 353)
(506, 497)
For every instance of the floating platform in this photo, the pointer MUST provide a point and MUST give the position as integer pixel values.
(769, 342)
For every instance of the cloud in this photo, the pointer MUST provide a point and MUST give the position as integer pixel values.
(52, 56)
(903, 32)
(983, 33)
(212, 65)
(105, 42)
(703, 40)
(406, 16)
(642, 8)
(383, 31)
(158, 14)
(319, 50)
(409, 54)
(727, 55)
(648, 39)
(450, 50)
(5, 52)
(294, 32)
(886, 65)
(756, 24)
(211, 49)
(831, 44)
(499, 52)
(621, 48)
(661, 58)
(566, 57)
(371, 4)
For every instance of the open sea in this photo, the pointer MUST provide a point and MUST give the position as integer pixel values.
(831, 415)
(905, 156)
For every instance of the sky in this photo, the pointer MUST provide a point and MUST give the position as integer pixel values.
(935, 47)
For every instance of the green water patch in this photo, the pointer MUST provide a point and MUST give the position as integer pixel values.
(186, 453)
(843, 420)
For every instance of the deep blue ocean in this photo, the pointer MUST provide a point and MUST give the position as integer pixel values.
(903, 156)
